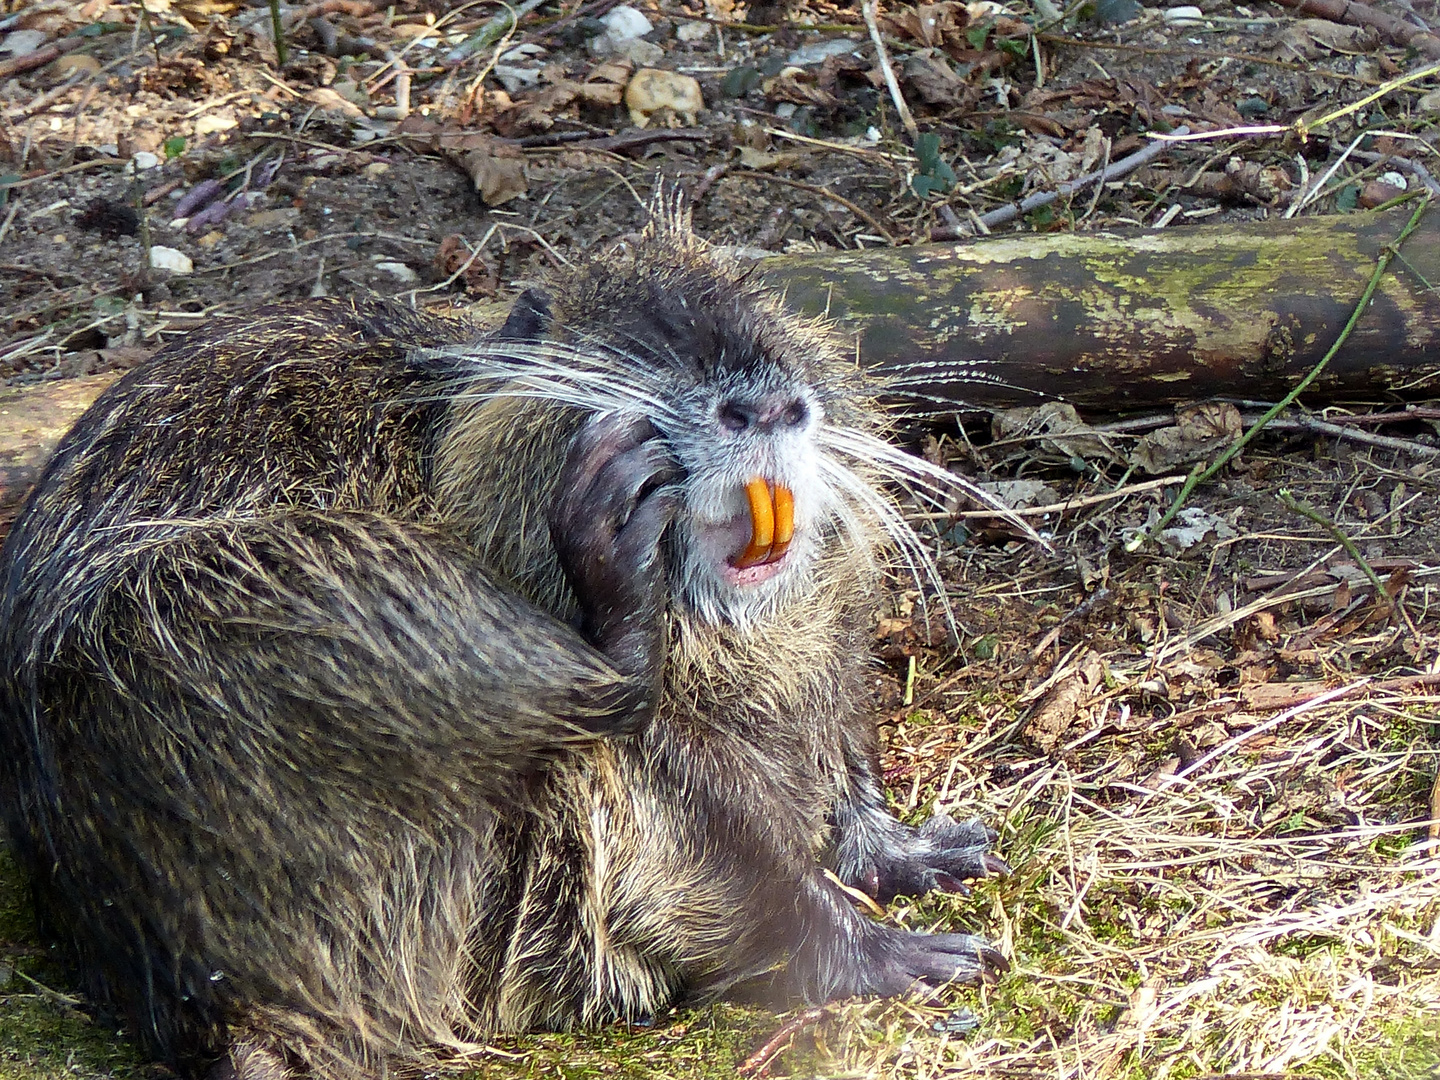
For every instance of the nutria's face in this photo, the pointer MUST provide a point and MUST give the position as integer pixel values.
(754, 506)
(754, 409)
(745, 422)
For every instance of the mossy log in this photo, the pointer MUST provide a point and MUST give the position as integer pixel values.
(1115, 322)
(1106, 321)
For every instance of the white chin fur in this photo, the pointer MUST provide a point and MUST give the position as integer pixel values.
(719, 592)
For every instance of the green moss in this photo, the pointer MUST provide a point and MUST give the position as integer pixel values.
(1406, 1049)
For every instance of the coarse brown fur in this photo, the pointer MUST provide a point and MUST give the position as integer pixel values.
(365, 685)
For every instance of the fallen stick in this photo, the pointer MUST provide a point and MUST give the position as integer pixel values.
(1406, 35)
(1116, 169)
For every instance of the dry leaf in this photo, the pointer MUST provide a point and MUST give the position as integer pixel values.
(1058, 428)
(498, 172)
(798, 86)
(1307, 39)
(928, 76)
(1058, 713)
(763, 160)
(1199, 431)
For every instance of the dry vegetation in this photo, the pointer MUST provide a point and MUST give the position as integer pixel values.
(1212, 765)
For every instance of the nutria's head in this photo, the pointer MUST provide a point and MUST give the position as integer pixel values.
(770, 425)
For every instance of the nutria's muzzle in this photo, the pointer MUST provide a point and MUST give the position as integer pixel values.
(772, 523)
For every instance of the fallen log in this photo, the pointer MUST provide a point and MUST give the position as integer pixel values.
(1114, 322)
(1105, 321)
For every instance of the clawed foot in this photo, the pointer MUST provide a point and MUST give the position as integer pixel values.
(902, 961)
(941, 854)
(606, 525)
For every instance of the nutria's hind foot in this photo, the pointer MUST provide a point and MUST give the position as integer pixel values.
(941, 854)
(903, 962)
(249, 1061)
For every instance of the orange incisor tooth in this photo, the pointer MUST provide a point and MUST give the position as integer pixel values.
(784, 521)
(762, 524)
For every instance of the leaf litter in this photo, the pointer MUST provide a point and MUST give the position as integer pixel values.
(1212, 761)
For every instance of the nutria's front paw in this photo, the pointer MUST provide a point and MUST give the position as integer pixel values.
(900, 960)
(942, 854)
(606, 524)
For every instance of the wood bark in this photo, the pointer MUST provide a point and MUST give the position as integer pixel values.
(1115, 322)
(1106, 321)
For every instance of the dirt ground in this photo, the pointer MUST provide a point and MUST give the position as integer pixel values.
(1211, 758)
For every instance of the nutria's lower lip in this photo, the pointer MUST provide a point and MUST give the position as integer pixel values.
(772, 524)
(741, 577)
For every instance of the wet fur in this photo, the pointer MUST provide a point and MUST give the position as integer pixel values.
(313, 762)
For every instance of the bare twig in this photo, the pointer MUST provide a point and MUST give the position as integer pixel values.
(1353, 434)
(1337, 534)
(883, 56)
(814, 189)
(1010, 211)
(40, 57)
(758, 1063)
(1353, 13)
(1068, 505)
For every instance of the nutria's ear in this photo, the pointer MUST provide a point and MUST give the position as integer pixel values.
(529, 319)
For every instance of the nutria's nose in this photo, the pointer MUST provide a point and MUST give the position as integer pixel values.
(765, 413)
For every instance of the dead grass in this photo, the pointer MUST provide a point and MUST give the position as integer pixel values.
(1203, 885)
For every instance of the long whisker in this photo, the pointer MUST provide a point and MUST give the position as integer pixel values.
(907, 545)
(548, 371)
(933, 480)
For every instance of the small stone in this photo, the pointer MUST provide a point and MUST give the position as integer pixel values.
(1185, 15)
(817, 52)
(1377, 192)
(22, 42)
(168, 258)
(624, 23)
(375, 170)
(271, 219)
(144, 160)
(691, 32)
(640, 52)
(399, 271)
(1430, 102)
(75, 64)
(653, 94)
(515, 79)
(213, 123)
(210, 239)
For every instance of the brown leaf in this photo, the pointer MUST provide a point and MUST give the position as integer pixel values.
(797, 86)
(1199, 431)
(497, 170)
(929, 24)
(536, 112)
(929, 77)
(1307, 39)
(1060, 710)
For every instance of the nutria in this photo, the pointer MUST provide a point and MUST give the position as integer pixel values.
(370, 682)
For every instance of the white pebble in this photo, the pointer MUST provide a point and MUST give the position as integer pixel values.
(624, 23)
(1186, 15)
(168, 258)
(399, 271)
